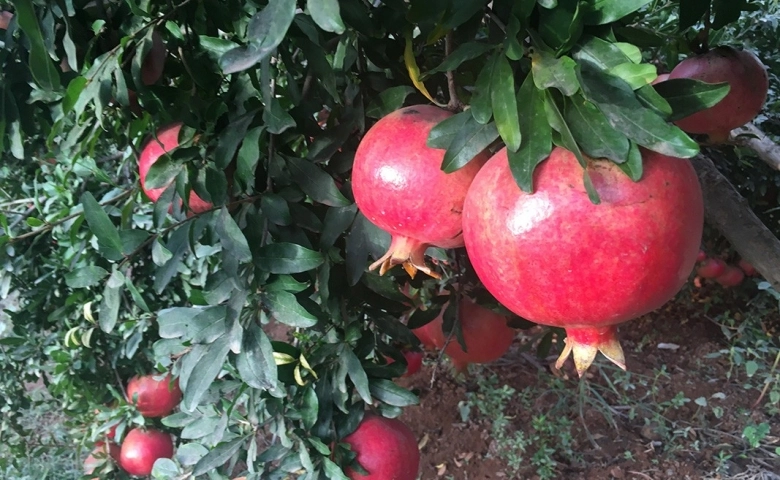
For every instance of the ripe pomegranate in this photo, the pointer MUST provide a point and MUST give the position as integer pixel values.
(99, 455)
(154, 62)
(702, 256)
(660, 78)
(386, 448)
(485, 333)
(427, 335)
(167, 139)
(555, 258)
(399, 186)
(141, 448)
(154, 398)
(731, 276)
(414, 360)
(711, 268)
(746, 267)
(749, 83)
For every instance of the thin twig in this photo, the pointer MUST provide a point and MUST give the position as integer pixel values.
(454, 104)
(496, 20)
(22, 216)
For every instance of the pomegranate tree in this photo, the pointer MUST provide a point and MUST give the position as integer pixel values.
(555, 258)
(749, 83)
(485, 333)
(166, 140)
(152, 397)
(141, 448)
(399, 186)
(386, 448)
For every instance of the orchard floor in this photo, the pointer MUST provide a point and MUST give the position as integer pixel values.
(673, 415)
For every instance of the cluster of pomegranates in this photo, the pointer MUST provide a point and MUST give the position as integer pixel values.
(153, 397)
(727, 275)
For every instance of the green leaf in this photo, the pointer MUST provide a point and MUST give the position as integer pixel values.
(231, 138)
(266, 31)
(562, 26)
(727, 11)
(218, 456)
(633, 52)
(537, 136)
(687, 96)
(442, 135)
(502, 98)
(160, 254)
(108, 236)
(626, 114)
(175, 322)
(276, 209)
(165, 169)
(309, 410)
(354, 369)
(651, 99)
(276, 118)
(255, 362)
(481, 108)
(109, 305)
(85, 277)
(284, 307)
(332, 470)
(633, 166)
(232, 238)
(388, 101)
(204, 373)
(388, 392)
(471, 140)
(465, 52)
(549, 71)
(691, 11)
(634, 75)
(316, 182)
(593, 132)
(41, 65)
(286, 257)
(326, 14)
(336, 222)
(599, 12)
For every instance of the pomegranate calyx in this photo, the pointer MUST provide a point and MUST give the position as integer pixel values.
(584, 343)
(407, 252)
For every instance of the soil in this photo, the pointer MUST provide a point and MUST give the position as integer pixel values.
(627, 436)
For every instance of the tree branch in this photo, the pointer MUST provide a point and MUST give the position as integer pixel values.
(753, 138)
(454, 104)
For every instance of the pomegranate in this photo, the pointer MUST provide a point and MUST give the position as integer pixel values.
(141, 448)
(711, 268)
(702, 256)
(746, 267)
(154, 62)
(154, 398)
(399, 186)
(749, 83)
(555, 258)
(660, 78)
(485, 333)
(167, 139)
(428, 336)
(99, 455)
(731, 276)
(413, 362)
(386, 448)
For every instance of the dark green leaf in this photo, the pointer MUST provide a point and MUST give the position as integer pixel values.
(204, 373)
(633, 167)
(85, 277)
(467, 51)
(650, 98)
(175, 322)
(598, 52)
(388, 101)
(356, 373)
(109, 306)
(472, 139)
(593, 132)
(164, 170)
(599, 12)
(727, 11)
(287, 258)
(316, 182)
(326, 14)
(561, 27)
(218, 456)
(248, 157)
(276, 209)
(231, 138)
(549, 71)
(99, 224)
(687, 96)
(41, 65)
(502, 96)
(537, 136)
(692, 11)
(309, 410)
(232, 238)
(442, 135)
(480, 100)
(276, 118)
(284, 307)
(332, 470)
(388, 392)
(337, 220)
(255, 362)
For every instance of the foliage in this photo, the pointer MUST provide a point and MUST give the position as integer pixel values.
(274, 96)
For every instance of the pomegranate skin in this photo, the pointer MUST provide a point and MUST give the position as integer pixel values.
(154, 62)
(414, 361)
(711, 268)
(731, 277)
(155, 398)
(746, 267)
(399, 186)
(749, 83)
(141, 449)
(167, 139)
(555, 258)
(386, 448)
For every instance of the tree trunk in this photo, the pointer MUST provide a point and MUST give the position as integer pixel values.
(729, 212)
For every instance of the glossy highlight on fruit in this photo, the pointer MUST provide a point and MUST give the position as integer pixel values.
(386, 448)
(141, 448)
(555, 258)
(152, 397)
(399, 186)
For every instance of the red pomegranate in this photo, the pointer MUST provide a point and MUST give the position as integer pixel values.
(154, 398)
(485, 333)
(731, 276)
(154, 62)
(386, 448)
(428, 336)
(660, 78)
(702, 256)
(414, 360)
(555, 258)
(399, 186)
(167, 139)
(141, 448)
(99, 455)
(746, 267)
(749, 83)
(711, 268)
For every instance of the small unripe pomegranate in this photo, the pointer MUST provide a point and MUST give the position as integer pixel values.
(141, 448)
(711, 268)
(731, 276)
(399, 186)
(749, 83)
(386, 448)
(154, 398)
